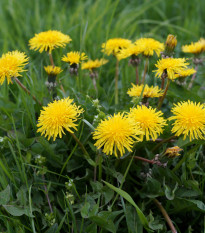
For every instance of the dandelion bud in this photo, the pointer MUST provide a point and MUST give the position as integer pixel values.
(173, 151)
(171, 43)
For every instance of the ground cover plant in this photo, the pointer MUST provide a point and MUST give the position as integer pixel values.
(102, 116)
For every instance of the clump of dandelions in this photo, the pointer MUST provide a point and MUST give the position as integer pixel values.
(58, 116)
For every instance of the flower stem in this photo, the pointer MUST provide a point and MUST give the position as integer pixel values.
(116, 81)
(193, 78)
(26, 90)
(144, 160)
(87, 156)
(163, 141)
(145, 70)
(137, 76)
(52, 63)
(163, 80)
(94, 83)
(51, 59)
(165, 92)
(166, 216)
(46, 192)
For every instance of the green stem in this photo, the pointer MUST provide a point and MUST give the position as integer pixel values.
(193, 78)
(116, 81)
(85, 153)
(165, 92)
(162, 142)
(51, 59)
(26, 90)
(123, 180)
(145, 70)
(100, 168)
(166, 216)
(137, 76)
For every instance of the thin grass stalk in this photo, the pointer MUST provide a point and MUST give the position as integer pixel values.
(125, 175)
(87, 156)
(46, 193)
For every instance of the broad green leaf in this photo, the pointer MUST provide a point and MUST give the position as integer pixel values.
(18, 211)
(130, 200)
(105, 224)
(85, 210)
(5, 196)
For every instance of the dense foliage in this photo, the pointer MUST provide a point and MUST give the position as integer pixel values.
(70, 183)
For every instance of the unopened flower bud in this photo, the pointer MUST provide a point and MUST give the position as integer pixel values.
(173, 151)
(171, 43)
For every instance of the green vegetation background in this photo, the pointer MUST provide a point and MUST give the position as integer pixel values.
(89, 24)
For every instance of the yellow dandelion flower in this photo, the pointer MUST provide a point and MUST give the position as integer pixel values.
(173, 151)
(170, 66)
(132, 50)
(150, 121)
(195, 48)
(113, 46)
(116, 133)
(148, 46)
(93, 64)
(48, 40)
(189, 120)
(185, 73)
(149, 92)
(11, 65)
(53, 70)
(58, 116)
(74, 57)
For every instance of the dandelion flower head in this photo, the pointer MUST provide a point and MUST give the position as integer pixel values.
(171, 67)
(189, 120)
(195, 48)
(93, 64)
(48, 41)
(11, 65)
(185, 73)
(150, 121)
(53, 70)
(148, 92)
(58, 116)
(114, 46)
(148, 46)
(132, 50)
(74, 57)
(116, 133)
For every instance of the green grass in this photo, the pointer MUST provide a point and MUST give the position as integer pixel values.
(179, 187)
